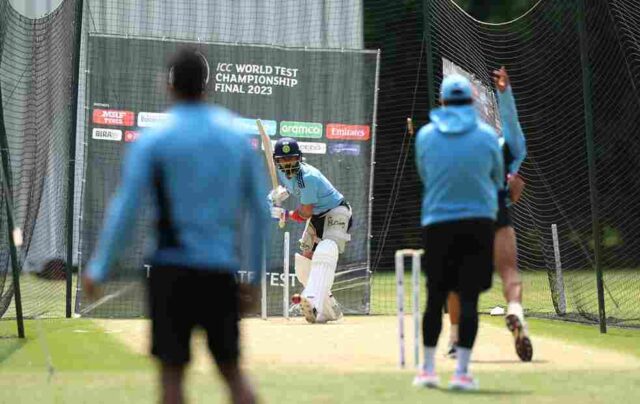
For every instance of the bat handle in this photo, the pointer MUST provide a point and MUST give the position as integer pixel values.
(281, 222)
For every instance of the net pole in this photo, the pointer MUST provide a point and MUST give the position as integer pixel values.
(562, 301)
(588, 124)
(6, 189)
(73, 135)
(431, 78)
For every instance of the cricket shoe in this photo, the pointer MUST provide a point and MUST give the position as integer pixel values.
(426, 379)
(518, 328)
(295, 310)
(463, 382)
(452, 353)
(335, 310)
(308, 310)
(331, 312)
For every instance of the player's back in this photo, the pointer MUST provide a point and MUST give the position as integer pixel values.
(201, 174)
(461, 169)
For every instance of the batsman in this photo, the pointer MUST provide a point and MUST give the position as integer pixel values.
(328, 220)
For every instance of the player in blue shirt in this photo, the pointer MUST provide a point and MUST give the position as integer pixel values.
(200, 201)
(328, 218)
(514, 152)
(461, 167)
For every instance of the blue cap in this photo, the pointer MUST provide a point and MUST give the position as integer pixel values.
(286, 147)
(455, 87)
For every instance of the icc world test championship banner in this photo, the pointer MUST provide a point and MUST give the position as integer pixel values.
(325, 99)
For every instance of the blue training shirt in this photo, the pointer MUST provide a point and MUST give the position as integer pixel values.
(461, 166)
(205, 181)
(312, 188)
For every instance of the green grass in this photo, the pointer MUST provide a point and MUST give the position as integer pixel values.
(621, 293)
(279, 386)
(73, 345)
(93, 367)
(42, 297)
(535, 284)
(616, 339)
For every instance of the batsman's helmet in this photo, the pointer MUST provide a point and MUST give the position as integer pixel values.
(286, 148)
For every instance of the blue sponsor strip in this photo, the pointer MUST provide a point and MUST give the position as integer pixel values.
(349, 149)
(249, 126)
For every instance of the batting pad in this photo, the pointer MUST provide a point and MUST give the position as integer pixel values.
(323, 272)
(302, 267)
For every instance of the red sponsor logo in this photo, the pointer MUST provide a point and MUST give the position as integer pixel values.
(130, 135)
(113, 117)
(339, 131)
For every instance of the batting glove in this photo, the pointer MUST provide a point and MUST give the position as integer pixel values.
(278, 195)
(277, 213)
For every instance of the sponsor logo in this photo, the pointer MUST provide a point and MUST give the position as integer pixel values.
(149, 119)
(107, 134)
(313, 148)
(256, 143)
(336, 222)
(340, 131)
(349, 149)
(301, 129)
(113, 117)
(250, 127)
(130, 136)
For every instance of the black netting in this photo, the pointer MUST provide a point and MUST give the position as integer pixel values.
(36, 81)
(541, 51)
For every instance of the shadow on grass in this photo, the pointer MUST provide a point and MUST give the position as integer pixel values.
(506, 361)
(8, 346)
(486, 392)
(492, 392)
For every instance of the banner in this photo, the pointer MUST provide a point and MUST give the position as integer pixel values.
(322, 98)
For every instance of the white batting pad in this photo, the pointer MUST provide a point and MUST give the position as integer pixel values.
(323, 272)
(303, 268)
(336, 226)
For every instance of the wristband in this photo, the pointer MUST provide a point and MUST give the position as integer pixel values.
(295, 216)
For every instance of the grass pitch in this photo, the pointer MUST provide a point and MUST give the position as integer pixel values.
(92, 364)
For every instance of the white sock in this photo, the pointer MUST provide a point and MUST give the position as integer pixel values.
(516, 309)
(453, 334)
(464, 357)
(429, 364)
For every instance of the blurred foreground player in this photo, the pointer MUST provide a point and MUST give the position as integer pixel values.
(328, 219)
(460, 164)
(200, 200)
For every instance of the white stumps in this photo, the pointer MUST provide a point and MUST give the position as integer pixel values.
(263, 286)
(416, 267)
(285, 272)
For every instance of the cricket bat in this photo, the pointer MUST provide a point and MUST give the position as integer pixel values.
(268, 155)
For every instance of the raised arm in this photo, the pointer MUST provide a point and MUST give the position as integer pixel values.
(511, 129)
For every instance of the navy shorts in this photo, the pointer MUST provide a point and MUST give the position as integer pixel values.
(459, 255)
(181, 299)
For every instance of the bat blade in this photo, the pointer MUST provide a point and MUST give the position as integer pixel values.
(268, 155)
